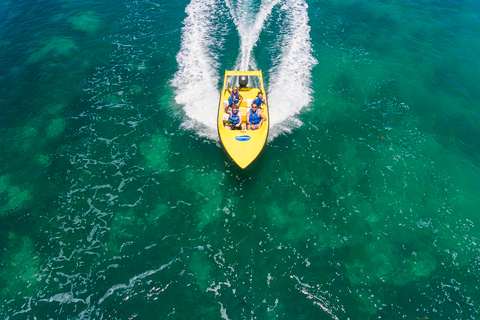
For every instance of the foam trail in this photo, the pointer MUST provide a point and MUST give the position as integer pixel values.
(292, 74)
(197, 78)
(198, 66)
(249, 27)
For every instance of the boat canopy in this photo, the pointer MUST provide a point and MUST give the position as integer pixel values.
(257, 73)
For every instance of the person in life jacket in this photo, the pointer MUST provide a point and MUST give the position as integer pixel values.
(259, 100)
(235, 97)
(255, 118)
(235, 119)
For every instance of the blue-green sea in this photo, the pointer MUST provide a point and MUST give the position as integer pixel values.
(118, 202)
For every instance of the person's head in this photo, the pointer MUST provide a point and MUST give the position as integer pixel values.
(235, 88)
(260, 95)
(254, 106)
(235, 109)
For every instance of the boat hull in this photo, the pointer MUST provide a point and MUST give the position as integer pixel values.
(243, 146)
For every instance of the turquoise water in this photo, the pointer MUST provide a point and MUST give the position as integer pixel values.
(117, 202)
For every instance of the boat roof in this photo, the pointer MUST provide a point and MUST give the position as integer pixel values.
(243, 73)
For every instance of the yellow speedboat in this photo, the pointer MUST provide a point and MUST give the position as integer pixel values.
(243, 146)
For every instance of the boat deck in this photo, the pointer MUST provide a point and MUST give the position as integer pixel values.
(248, 94)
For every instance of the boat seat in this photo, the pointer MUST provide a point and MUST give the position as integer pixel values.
(246, 104)
(244, 111)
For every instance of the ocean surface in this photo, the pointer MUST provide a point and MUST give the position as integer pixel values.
(118, 202)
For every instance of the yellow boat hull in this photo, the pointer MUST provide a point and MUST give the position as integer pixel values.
(243, 146)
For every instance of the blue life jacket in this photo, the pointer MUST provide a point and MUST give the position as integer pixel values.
(254, 118)
(232, 99)
(234, 118)
(258, 102)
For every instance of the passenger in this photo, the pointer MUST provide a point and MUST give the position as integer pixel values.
(235, 97)
(259, 100)
(255, 118)
(235, 119)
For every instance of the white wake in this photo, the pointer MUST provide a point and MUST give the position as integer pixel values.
(249, 26)
(290, 88)
(197, 79)
(197, 76)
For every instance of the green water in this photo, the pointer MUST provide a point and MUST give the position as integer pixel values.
(117, 202)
